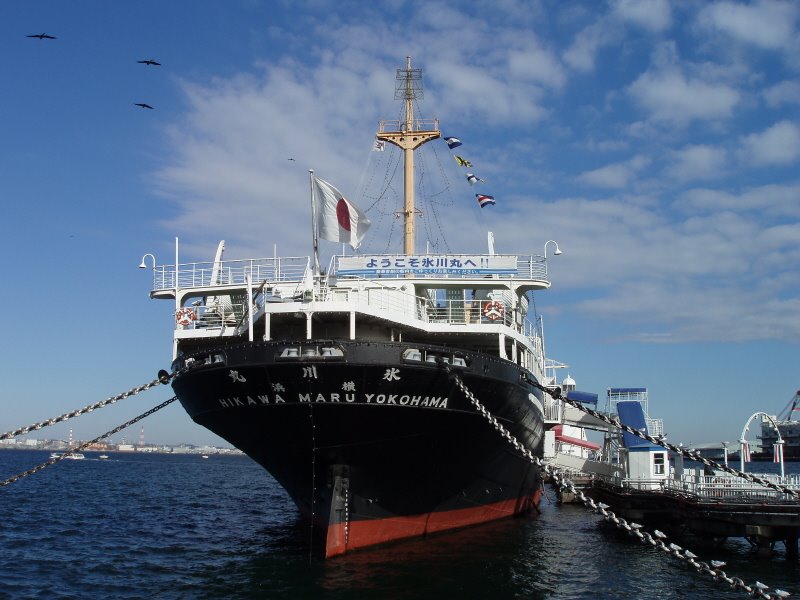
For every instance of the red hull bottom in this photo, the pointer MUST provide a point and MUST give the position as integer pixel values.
(342, 537)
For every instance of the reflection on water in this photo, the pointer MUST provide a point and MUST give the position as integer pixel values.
(566, 552)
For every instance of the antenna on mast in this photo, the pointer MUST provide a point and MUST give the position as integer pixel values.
(409, 83)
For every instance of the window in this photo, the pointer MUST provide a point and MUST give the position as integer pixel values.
(658, 463)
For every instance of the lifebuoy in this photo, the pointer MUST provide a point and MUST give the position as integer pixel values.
(185, 316)
(493, 310)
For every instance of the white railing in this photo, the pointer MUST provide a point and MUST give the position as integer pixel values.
(553, 409)
(228, 315)
(293, 269)
(579, 451)
(460, 312)
(230, 272)
(394, 302)
(728, 488)
(375, 295)
(392, 125)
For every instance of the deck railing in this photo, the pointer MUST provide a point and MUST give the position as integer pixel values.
(228, 315)
(727, 488)
(293, 269)
(230, 272)
(450, 312)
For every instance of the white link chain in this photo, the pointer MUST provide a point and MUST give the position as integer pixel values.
(714, 570)
(163, 378)
(85, 445)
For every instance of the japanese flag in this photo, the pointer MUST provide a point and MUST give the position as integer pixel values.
(338, 219)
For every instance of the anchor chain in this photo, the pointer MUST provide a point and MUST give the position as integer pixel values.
(56, 459)
(757, 590)
(555, 393)
(163, 378)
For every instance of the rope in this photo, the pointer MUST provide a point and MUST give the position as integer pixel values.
(163, 378)
(56, 459)
(714, 569)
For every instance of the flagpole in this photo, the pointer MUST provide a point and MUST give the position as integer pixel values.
(314, 222)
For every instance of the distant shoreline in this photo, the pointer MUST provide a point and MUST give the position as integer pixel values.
(176, 450)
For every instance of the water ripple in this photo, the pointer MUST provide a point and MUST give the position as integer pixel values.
(162, 526)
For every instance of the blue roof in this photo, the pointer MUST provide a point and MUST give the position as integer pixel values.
(631, 414)
(582, 397)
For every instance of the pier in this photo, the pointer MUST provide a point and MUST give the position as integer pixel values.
(648, 483)
(714, 507)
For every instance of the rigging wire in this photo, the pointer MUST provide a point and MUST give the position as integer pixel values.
(433, 202)
(434, 195)
(381, 201)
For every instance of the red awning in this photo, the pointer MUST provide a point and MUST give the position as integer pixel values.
(566, 439)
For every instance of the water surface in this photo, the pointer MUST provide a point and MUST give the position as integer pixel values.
(180, 526)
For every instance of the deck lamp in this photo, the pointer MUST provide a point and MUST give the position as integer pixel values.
(557, 250)
(144, 266)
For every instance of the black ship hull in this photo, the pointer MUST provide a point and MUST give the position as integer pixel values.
(372, 442)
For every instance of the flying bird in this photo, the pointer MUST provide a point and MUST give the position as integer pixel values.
(43, 36)
(149, 61)
(143, 105)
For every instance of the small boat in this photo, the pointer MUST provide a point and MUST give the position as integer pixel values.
(103, 456)
(68, 455)
(204, 456)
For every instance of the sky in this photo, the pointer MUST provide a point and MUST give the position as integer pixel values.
(657, 142)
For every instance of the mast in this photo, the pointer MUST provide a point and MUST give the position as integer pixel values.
(409, 135)
(314, 226)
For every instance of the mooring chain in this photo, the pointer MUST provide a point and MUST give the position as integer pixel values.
(85, 445)
(758, 590)
(163, 378)
(495, 423)
(555, 393)
(714, 570)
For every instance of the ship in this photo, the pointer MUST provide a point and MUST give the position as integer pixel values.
(382, 392)
(788, 424)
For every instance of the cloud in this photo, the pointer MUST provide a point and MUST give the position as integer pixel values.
(501, 97)
(653, 15)
(713, 262)
(231, 167)
(616, 175)
(669, 96)
(772, 201)
(765, 24)
(713, 266)
(582, 53)
(533, 63)
(777, 145)
(608, 29)
(785, 92)
(698, 162)
(677, 281)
